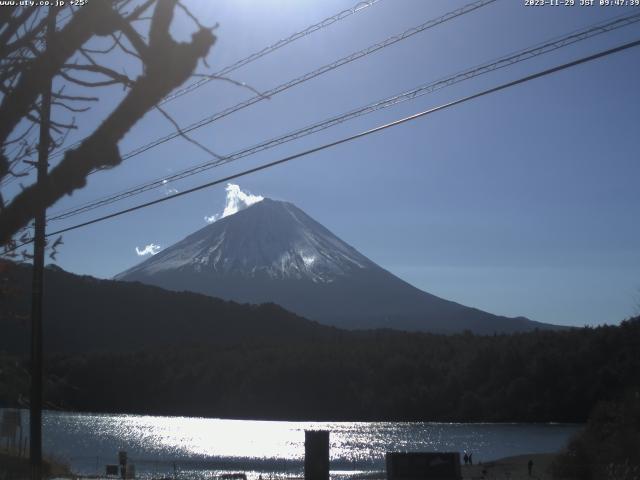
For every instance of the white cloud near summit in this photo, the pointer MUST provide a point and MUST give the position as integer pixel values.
(150, 249)
(236, 200)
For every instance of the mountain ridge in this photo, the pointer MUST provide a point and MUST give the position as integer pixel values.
(274, 252)
(318, 257)
(86, 314)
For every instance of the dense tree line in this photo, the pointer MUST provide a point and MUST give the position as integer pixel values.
(608, 448)
(126, 347)
(378, 375)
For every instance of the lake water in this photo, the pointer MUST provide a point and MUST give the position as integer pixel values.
(202, 447)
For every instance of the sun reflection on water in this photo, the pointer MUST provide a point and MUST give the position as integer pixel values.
(208, 447)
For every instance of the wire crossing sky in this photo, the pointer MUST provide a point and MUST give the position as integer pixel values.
(237, 64)
(348, 139)
(506, 61)
(519, 203)
(293, 82)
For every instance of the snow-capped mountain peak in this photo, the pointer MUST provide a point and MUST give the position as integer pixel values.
(270, 238)
(271, 251)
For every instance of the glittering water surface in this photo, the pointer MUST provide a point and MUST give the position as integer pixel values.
(203, 447)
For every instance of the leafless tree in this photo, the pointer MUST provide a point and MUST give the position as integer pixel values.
(29, 60)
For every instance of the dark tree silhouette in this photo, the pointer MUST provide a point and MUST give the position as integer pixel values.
(28, 63)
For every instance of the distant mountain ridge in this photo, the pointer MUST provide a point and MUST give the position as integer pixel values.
(274, 252)
(85, 314)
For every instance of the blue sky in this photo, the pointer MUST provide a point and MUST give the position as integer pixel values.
(521, 203)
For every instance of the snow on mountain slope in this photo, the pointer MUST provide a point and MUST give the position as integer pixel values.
(261, 250)
(271, 238)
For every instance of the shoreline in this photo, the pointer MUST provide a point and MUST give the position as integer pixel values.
(514, 468)
(105, 413)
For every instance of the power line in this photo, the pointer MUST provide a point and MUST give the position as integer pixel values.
(242, 62)
(272, 48)
(510, 59)
(256, 55)
(395, 123)
(304, 78)
(310, 75)
(539, 49)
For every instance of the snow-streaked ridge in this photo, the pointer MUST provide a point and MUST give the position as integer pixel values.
(271, 238)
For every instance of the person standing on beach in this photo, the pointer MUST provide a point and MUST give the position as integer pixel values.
(466, 458)
(471, 459)
(530, 466)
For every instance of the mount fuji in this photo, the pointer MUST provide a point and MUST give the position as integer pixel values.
(272, 251)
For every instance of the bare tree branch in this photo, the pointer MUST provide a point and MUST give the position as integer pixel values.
(135, 39)
(115, 76)
(184, 135)
(13, 25)
(96, 18)
(87, 83)
(69, 108)
(168, 64)
(75, 98)
(26, 40)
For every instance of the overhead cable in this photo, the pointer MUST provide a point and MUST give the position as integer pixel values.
(366, 133)
(358, 7)
(510, 59)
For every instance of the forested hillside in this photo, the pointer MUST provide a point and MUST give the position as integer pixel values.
(83, 314)
(380, 375)
(126, 347)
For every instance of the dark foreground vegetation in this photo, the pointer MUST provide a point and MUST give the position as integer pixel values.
(609, 446)
(13, 466)
(83, 314)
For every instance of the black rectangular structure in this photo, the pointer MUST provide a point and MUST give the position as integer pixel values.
(423, 466)
(316, 455)
(112, 470)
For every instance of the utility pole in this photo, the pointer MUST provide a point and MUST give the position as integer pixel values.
(35, 407)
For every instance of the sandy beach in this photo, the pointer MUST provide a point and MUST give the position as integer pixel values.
(512, 468)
